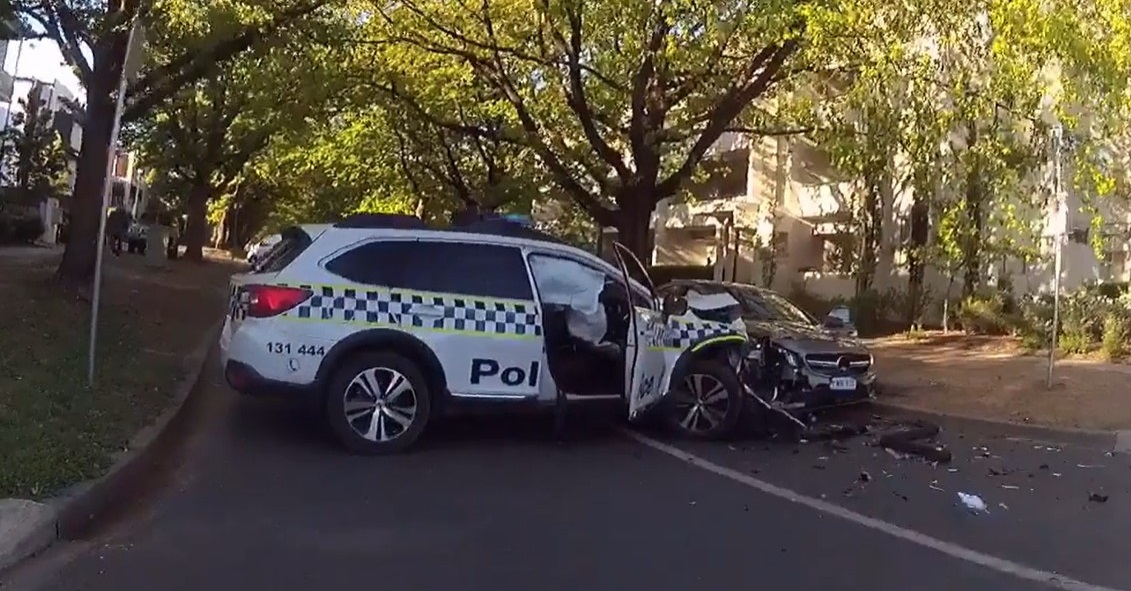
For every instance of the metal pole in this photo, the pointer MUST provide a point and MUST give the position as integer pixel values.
(1058, 239)
(15, 78)
(107, 186)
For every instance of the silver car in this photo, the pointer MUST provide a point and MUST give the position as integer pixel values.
(797, 362)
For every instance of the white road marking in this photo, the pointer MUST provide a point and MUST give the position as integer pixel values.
(954, 550)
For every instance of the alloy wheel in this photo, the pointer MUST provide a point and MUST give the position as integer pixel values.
(701, 404)
(380, 404)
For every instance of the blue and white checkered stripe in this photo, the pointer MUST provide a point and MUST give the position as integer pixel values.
(237, 309)
(683, 333)
(396, 307)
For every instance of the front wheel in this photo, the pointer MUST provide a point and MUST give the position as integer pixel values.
(705, 402)
(378, 402)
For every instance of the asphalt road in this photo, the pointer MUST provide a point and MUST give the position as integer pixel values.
(260, 499)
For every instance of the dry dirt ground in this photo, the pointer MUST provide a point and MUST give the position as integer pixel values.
(54, 429)
(994, 378)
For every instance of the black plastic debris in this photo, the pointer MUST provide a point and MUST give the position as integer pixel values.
(909, 440)
(1097, 498)
(864, 477)
(834, 432)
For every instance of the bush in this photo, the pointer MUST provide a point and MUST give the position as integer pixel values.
(986, 315)
(1114, 343)
(20, 225)
(1075, 342)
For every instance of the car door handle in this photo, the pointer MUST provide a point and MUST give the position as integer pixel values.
(426, 310)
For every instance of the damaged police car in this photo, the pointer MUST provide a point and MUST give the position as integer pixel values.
(386, 323)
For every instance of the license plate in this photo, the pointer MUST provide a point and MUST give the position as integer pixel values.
(843, 384)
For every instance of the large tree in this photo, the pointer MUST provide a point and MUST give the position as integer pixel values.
(622, 101)
(93, 37)
(204, 137)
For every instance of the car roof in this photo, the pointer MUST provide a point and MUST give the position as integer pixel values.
(718, 284)
(495, 231)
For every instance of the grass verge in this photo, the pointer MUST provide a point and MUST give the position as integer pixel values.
(54, 430)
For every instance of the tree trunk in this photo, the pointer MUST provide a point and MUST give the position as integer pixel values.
(634, 220)
(972, 234)
(196, 227)
(634, 231)
(917, 258)
(77, 266)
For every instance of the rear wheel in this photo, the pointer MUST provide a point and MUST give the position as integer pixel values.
(705, 402)
(378, 402)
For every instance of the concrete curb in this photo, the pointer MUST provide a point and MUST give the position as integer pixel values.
(1107, 440)
(36, 526)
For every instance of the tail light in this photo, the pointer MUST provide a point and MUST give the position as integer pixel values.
(271, 300)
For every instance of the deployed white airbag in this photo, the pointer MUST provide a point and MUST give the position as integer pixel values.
(576, 286)
(711, 301)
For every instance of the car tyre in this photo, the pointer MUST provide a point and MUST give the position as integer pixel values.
(378, 403)
(705, 402)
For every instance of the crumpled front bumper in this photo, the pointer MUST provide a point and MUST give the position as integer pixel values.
(805, 389)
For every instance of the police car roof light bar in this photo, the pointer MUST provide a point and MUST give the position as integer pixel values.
(382, 221)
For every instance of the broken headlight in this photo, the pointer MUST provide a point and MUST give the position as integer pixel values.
(790, 357)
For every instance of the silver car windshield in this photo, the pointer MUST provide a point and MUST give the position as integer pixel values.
(768, 305)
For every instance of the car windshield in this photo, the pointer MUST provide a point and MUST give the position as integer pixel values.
(768, 305)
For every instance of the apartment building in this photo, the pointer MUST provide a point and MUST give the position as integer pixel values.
(782, 195)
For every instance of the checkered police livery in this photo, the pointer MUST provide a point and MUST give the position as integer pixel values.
(237, 308)
(427, 311)
(374, 319)
(682, 333)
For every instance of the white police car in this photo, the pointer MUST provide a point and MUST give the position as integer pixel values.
(387, 323)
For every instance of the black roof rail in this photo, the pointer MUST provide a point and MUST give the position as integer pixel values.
(395, 221)
(502, 227)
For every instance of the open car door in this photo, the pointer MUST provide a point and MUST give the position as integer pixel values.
(644, 355)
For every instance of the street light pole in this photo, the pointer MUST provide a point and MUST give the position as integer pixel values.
(15, 76)
(1060, 228)
(107, 188)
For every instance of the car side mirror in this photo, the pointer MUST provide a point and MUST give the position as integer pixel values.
(839, 317)
(674, 305)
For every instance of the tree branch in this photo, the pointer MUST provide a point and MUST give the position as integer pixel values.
(162, 82)
(575, 91)
(756, 80)
(56, 29)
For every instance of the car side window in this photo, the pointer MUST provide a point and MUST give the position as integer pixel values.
(484, 270)
(559, 275)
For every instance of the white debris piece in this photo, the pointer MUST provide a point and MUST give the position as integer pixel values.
(973, 502)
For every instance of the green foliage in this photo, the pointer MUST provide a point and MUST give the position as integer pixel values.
(1093, 316)
(1115, 339)
(34, 153)
(20, 225)
(985, 315)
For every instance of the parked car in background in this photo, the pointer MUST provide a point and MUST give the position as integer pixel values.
(258, 250)
(797, 363)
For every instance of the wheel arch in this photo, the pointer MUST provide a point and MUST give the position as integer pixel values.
(713, 347)
(396, 341)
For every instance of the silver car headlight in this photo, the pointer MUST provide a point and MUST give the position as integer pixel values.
(790, 357)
